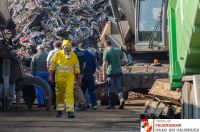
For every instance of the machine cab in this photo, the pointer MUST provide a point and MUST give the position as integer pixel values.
(150, 30)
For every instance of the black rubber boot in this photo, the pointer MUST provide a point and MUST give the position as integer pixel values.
(111, 101)
(71, 115)
(59, 114)
(122, 103)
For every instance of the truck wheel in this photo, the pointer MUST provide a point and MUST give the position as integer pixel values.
(28, 81)
(29, 95)
(185, 100)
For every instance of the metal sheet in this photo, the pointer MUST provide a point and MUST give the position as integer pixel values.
(129, 10)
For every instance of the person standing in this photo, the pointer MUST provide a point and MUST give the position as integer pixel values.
(64, 66)
(112, 73)
(79, 97)
(88, 81)
(57, 47)
(81, 56)
(39, 69)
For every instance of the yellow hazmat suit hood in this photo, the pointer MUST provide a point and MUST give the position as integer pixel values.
(66, 43)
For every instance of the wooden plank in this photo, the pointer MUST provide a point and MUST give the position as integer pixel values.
(151, 107)
(159, 109)
(161, 87)
(165, 111)
(168, 112)
(154, 106)
(146, 105)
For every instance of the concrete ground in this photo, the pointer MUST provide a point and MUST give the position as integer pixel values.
(100, 120)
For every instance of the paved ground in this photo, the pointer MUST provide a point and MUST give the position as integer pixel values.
(100, 120)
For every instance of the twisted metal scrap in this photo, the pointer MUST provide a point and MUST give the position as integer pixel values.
(45, 21)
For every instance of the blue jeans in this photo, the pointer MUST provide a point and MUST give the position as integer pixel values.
(39, 92)
(88, 82)
(87, 97)
(114, 84)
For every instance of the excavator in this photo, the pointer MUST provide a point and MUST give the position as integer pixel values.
(14, 84)
(139, 28)
(151, 28)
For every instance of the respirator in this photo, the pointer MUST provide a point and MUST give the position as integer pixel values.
(67, 50)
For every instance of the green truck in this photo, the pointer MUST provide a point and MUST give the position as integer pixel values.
(184, 52)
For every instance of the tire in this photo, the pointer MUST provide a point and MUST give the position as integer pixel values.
(29, 81)
(29, 95)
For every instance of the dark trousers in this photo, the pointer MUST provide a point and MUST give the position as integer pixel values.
(53, 93)
(88, 82)
(114, 85)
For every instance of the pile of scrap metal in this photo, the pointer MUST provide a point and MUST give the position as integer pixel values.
(44, 21)
(165, 104)
(13, 81)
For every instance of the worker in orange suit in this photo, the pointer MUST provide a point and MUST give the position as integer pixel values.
(65, 66)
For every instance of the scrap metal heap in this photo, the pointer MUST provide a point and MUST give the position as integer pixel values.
(13, 81)
(41, 22)
(47, 20)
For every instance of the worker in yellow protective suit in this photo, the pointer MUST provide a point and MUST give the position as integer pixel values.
(65, 66)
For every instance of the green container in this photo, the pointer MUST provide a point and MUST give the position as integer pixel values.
(184, 39)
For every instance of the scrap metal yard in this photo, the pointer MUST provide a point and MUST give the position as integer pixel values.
(99, 65)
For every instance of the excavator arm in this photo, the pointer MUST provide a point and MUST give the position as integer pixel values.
(6, 21)
(5, 18)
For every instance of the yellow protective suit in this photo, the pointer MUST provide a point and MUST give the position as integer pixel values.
(64, 77)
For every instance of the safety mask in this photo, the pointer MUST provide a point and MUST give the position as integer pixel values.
(67, 50)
